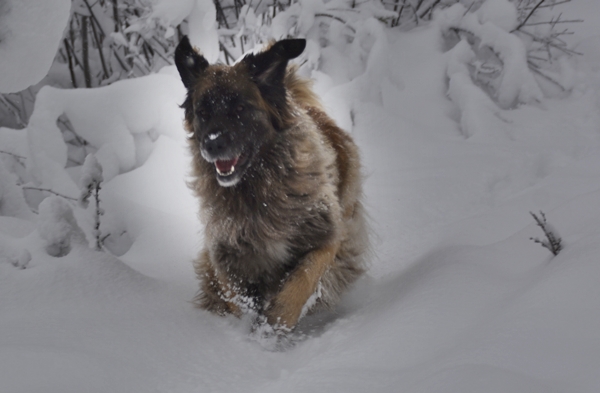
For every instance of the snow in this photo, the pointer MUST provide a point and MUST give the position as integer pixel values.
(517, 82)
(117, 120)
(201, 18)
(30, 31)
(172, 12)
(477, 109)
(57, 226)
(12, 202)
(457, 299)
(502, 13)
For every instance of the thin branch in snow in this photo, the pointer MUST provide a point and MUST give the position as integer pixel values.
(469, 9)
(534, 68)
(13, 109)
(549, 42)
(553, 4)
(554, 22)
(49, 191)
(429, 10)
(18, 157)
(552, 241)
(99, 212)
(91, 178)
(528, 16)
(336, 18)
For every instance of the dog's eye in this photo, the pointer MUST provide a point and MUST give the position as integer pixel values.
(240, 108)
(203, 113)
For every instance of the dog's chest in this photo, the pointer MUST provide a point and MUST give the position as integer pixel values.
(268, 240)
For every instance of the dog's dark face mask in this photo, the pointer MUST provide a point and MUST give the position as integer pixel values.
(232, 112)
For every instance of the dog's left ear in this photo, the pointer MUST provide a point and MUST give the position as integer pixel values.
(268, 67)
(189, 62)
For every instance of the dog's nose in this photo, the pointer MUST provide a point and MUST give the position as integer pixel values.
(215, 143)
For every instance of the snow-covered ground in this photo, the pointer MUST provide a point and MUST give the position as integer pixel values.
(457, 299)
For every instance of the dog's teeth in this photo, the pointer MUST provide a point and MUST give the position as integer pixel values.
(226, 173)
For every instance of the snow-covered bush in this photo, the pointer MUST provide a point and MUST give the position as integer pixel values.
(543, 28)
(347, 53)
(506, 39)
(57, 226)
(106, 41)
(119, 122)
(509, 80)
(112, 40)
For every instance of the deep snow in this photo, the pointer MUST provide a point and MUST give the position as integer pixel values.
(457, 299)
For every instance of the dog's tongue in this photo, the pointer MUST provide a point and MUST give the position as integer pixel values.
(226, 166)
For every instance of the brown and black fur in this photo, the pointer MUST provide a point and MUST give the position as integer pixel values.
(289, 224)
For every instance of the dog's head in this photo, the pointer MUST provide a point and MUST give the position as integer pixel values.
(233, 112)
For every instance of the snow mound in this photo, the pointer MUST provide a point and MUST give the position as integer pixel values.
(121, 121)
(57, 226)
(30, 33)
(517, 84)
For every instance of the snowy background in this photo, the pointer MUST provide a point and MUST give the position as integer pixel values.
(467, 121)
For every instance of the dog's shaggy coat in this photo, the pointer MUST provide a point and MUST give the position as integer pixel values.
(279, 186)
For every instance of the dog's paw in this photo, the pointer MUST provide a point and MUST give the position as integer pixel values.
(273, 338)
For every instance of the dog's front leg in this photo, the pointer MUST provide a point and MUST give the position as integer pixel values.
(285, 308)
(217, 294)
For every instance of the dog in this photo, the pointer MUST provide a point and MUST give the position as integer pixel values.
(279, 186)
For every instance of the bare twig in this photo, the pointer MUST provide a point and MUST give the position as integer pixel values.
(14, 109)
(553, 4)
(99, 212)
(97, 37)
(323, 15)
(49, 191)
(419, 4)
(554, 22)
(18, 157)
(534, 68)
(85, 51)
(115, 8)
(552, 241)
(228, 55)
(429, 9)
(550, 43)
(528, 16)
(70, 62)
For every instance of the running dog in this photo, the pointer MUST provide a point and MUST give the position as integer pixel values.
(279, 186)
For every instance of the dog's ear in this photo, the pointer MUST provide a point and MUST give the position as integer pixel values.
(268, 67)
(190, 63)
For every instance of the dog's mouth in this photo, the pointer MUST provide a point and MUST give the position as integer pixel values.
(226, 167)
(230, 170)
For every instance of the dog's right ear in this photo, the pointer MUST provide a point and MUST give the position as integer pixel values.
(189, 62)
(268, 67)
